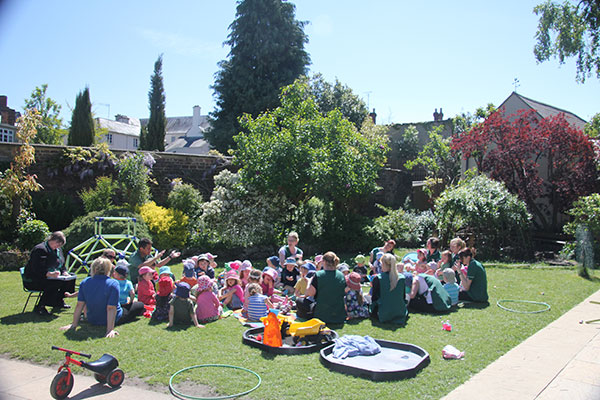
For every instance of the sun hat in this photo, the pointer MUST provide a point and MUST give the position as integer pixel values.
(391, 241)
(145, 270)
(343, 267)
(274, 260)
(291, 261)
(309, 266)
(231, 274)
(122, 268)
(318, 258)
(360, 259)
(188, 270)
(164, 270)
(204, 283)
(271, 272)
(379, 255)
(165, 286)
(203, 257)
(182, 290)
(246, 265)
(235, 264)
(210, 256)
(422, 251)
(353, 281)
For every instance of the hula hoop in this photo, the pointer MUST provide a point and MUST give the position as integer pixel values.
(185, 396)
(547, 306)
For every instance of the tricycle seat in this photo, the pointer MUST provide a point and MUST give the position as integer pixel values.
(103, 365)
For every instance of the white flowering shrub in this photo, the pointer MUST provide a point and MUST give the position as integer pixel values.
(236, 216)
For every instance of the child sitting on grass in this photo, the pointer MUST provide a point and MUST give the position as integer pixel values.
(131, 308)
(258, 304)
(302, 284)
(268, 282)
(182, 308)
(361, 268)
(245, 272)
(208, 308)
(232, 295)
(145, 286)
(353, 300)
(189, 275)
(254, 277)
(289, 276)
(164, 294)
(450, 285)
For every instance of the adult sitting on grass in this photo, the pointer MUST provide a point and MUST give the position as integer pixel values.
(473, 281)
(141, 258)
(45, 271)
(388, 296)
(427, 294)
(100, 295)
(328, 289)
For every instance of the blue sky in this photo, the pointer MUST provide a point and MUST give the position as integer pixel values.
(404, 58)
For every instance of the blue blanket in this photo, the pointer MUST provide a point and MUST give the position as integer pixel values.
(355, 345)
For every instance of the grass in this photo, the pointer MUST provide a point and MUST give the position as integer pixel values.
(153, 353)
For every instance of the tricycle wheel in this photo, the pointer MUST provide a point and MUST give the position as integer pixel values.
(100, 378)
(115, 377)
(61, 385)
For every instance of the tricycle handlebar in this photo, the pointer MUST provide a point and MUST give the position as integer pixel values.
(72, 352)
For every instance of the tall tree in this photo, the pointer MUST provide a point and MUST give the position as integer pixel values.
(267, 53)
(157, 124)
(81, 132)
(49, 129)
(570, 30)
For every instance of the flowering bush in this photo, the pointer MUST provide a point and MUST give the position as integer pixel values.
(168, 227)
(408, 228)
(185, 198)
(236, 216)
(484, 210)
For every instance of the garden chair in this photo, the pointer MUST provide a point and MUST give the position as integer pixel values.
(34, 293)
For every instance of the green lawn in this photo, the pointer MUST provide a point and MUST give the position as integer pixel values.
(153, 353)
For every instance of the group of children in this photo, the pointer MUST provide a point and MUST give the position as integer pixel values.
(200, 297)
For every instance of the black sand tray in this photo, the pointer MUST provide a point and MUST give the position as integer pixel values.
(288, 344)
(396, 361)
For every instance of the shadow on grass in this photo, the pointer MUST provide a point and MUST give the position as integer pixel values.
(86, 331)
(476, 306)
(452, 310)
(16, 319)
(387, 326)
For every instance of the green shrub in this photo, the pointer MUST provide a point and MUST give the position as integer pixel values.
(82, 228)
(585, 211)
(483, 210)
(134, 175)
(187, 199)
(169, 227)
(57, 209)
(407, 228)
(99, 198)
(31, 233)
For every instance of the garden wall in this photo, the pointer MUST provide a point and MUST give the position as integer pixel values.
(198, 170)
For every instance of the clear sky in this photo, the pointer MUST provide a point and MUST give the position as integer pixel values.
(405, 58)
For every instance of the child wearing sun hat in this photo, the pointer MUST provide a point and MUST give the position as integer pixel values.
(164, 294)
(189, 274)
(182, 308)
(354, 300)
(232, 295)
(361, 267)
(208, 307)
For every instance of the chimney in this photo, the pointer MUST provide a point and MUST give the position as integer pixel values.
(438, 116)
(122, 118)
(3, 101)
(441, 114)
(373, 116)
(196, 116)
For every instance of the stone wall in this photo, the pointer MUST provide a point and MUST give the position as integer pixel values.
(198, 170)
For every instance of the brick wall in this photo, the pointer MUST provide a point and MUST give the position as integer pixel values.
(197, 170)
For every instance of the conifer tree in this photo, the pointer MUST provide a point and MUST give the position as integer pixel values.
(267, 53)
(157, 124)
(81, 132)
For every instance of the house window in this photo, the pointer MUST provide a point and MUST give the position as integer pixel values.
(135, 143)
(109, 138)
(6, 136)
(172, 139)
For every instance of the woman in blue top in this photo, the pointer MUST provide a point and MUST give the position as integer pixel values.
(100, 294)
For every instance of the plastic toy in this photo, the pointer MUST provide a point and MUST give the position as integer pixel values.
(272, 332)
(105, 371)
(446, 326)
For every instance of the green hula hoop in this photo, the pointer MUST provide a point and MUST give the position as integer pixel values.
(546, 305)
(185, 396)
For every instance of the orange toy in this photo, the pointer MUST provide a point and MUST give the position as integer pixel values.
(272, 332)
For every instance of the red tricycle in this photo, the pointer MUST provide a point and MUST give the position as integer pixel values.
(105, 371)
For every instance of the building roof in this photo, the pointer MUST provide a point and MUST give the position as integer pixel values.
(122, 128)
(188, 146)
(180, 126)
(546, 110)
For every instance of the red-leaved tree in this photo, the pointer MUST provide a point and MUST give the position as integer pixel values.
(546, 162)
